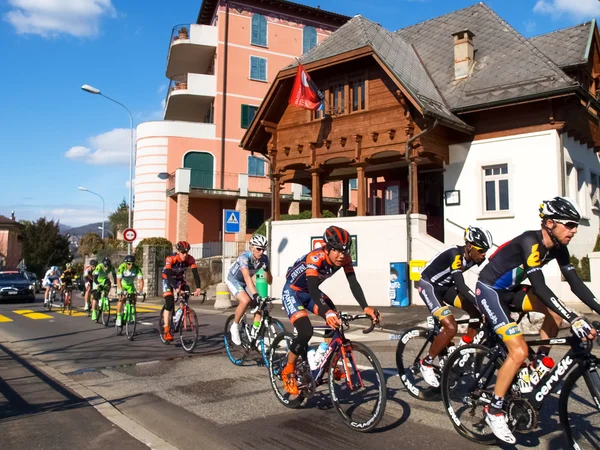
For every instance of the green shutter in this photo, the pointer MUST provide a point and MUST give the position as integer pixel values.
(309, 38)
(202, 166)
(259, 30)
(244, 123)
(254, 69)
(263, 69)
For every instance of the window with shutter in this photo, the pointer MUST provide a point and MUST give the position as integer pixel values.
(259, 30)
(258, 68)
(248, 112)
(309, 38)
(256, 166)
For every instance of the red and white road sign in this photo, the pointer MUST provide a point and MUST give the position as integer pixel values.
(129, 235)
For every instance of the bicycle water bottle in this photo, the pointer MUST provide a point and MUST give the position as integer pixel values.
(464, 341)
(320, 352)
(523, 380)
(544, 365)
(310, 355)
(262, 287)
(178, 314)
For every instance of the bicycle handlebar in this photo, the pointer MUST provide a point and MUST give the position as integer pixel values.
(347, 318)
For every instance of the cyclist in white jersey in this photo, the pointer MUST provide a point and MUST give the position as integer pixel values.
(240, 284)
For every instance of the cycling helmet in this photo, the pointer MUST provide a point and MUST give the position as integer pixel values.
(106, 261)
(183, 246)
(479, 237)
(67, 265)
(337, 238)
(93, 262)
(258, 240)
(129, 259)
(560, 209)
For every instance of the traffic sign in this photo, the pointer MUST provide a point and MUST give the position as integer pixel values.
(231, 219)
(129, 235)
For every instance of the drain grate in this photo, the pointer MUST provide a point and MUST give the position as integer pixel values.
(85, 374)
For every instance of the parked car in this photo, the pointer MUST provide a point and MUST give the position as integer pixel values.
(35, 280)
(14, 285)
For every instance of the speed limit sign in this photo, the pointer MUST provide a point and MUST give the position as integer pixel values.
(129, 235)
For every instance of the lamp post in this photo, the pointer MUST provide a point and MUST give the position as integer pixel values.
(93, 90)
(95, 193)
(108, 231)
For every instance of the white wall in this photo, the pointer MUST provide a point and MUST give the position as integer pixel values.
(380, 241)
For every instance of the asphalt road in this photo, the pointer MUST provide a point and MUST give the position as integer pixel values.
(206, 401)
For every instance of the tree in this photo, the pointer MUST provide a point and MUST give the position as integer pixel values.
(90, 243)
(44, 246)
(120, 218)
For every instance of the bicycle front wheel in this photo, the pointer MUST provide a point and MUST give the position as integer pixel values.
(412, 347)
(468, 381)
(278, 357)
(130, 323)
(272, 327)
(237, 353)
(188, 330)
(357, 387)
(105, 308)
(579, 408)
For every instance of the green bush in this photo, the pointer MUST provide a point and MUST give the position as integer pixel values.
(581, 267)
(302, 216)
(163, 244)
(597, 246)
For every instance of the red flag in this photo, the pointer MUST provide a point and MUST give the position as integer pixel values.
(304, 94)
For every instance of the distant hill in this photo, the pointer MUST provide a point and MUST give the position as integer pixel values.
(64, 229)
(84, 229)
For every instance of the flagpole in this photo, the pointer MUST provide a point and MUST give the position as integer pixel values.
(324, 100)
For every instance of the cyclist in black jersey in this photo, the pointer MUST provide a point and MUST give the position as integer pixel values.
(499, 291)
(442, 283)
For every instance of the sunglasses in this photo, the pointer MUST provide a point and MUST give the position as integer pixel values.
(129, 264)
(568, 225)
(259, 249)
(479, 249)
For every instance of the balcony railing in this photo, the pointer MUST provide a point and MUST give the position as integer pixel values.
(181, 31)
(259, 184)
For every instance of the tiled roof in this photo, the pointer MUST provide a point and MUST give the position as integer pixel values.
(399, 57)
(567, 47)
(6, 221)
(507, 66)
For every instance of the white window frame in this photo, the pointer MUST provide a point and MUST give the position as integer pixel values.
(498, 213)
(266, 80)
(579, 194)
(595, 204)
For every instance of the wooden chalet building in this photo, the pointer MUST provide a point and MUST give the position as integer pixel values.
(459, 118)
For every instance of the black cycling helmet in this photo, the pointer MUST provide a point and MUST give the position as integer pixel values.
(337, 238)
(560, 209)
(479, 237)
(106, 261)
(93, 262)
(130, 259)
(183, 246)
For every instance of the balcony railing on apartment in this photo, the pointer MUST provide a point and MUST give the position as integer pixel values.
(181, 31)
(180, 83)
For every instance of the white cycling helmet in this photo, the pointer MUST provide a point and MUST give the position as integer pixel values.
(560, 209)
(479, 237)
(258, 240)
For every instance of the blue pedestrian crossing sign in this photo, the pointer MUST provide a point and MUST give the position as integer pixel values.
(231, 219)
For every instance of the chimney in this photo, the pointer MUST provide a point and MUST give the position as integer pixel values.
(12, 215)
(463, 53)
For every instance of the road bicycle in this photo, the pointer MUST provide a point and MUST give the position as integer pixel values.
(67, 302)
(184, 321)
(129, 315)
(354, 375)
(103, 305)
(469, 377)
(253, 340)
(51, 297)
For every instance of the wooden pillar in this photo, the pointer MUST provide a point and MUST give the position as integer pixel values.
(345, 197)
(415, 191)
(317, 192)
(276, 201)
(361, 209)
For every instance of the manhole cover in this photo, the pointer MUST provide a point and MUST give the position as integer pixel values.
(85, 374)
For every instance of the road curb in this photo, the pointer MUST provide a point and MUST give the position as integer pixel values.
(102, 405)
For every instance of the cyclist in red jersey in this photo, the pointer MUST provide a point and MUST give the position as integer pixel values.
(174, 280)
(301, 292)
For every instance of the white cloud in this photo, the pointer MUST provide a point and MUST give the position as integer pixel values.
(73, 216)
(112, 147)
(579, 9)
(50, 18)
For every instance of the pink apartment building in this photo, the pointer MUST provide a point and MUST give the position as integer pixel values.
(189, 166)
(11, 249)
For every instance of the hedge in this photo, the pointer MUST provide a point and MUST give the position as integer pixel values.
(160, 243)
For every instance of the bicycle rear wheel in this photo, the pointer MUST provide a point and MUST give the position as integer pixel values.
(51, 298)
(272, 327)
(237, 353)
(467, 384)
(579, 408)
(161, 327)
(105, 308)
(188, 330)
(357, 387)
(412, 347)
(278, 356)
(131, 322)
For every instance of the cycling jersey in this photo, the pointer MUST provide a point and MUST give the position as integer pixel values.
(523, 257)
(101, 274)
(315, 263)
(441, 270)
(88, 272)
(52, 275)
(178, 266)
(67, 277)
(128, 276)
(247, 261)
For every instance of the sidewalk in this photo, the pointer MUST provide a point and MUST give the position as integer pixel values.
(38, 412)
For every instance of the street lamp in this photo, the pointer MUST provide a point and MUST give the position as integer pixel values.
(95, 193)
(93, 90)
(108, 231)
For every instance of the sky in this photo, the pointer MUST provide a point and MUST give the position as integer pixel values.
(54, 137)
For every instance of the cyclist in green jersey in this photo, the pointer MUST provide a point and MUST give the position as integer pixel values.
(126, 275)
(101, 281)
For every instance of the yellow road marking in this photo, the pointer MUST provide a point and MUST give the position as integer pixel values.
(153, 307)
(145, 310)
(73, 313)
(5, 319)
(30, 314)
